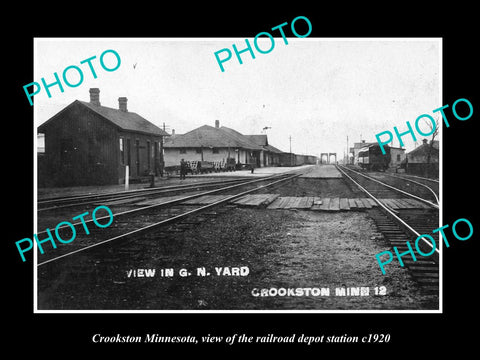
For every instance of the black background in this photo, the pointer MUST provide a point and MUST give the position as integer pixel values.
(70, 334)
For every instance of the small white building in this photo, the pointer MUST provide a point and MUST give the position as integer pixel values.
(397, 157)
(356, 149)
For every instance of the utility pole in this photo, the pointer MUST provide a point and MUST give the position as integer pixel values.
(162, 155)
(347, 153)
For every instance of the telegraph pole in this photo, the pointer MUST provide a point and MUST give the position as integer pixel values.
(347, 152)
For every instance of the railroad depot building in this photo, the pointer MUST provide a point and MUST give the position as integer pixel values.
(217, 144)
(270, 155)
(90, 144)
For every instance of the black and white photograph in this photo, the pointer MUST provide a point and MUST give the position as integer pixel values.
(231, 180)
(228, 186)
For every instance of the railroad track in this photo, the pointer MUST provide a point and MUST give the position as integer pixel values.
(401, 225)
(138, 221)
(55, 203)
(421, 179)
(433, 184)
(422, 187)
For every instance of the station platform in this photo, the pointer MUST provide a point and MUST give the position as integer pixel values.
(258, 172)
(323, 172)
(163, 181)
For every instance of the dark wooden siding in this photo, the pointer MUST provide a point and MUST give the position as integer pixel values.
(80, 148)
(146, 161)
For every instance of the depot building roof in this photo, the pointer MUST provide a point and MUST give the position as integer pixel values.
(210, 136)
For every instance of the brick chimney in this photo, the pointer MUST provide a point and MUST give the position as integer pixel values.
(425, 141)
(122, 104)
(173, 132)
(217, 124)
(95, 96)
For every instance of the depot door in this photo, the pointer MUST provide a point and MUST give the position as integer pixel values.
(137, 156)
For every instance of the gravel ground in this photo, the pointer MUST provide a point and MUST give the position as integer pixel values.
(280, 249)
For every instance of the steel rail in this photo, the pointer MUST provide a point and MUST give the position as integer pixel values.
(418, 183)
(169, 220)
(395, 216)
(125, 194)
(420, 177)
(393, 188)
(171, 202)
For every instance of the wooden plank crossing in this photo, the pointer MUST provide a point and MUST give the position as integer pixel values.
(278, 203)
(366, 203)
(415, 204)
(334, 204)
(275, 201)
(372, 202)
(351, 203)
(398, 203)
(354, 204)
(305, 202)
(359, 203)
(317, 203)
(402, 204)
(344, 204)
(256, 199)
(292, 202)
(325, 204)
(389, 203)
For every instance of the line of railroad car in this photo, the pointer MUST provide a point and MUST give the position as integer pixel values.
(291, 159)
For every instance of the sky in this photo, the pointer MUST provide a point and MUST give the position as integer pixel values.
(316, 91)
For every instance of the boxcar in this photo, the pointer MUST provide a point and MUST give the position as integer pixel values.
(371, 158)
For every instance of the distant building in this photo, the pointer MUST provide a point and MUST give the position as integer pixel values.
(90, 144)
(356, 149)
(424, 160)
(397, 157)
(369, 156)
(208, 143)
